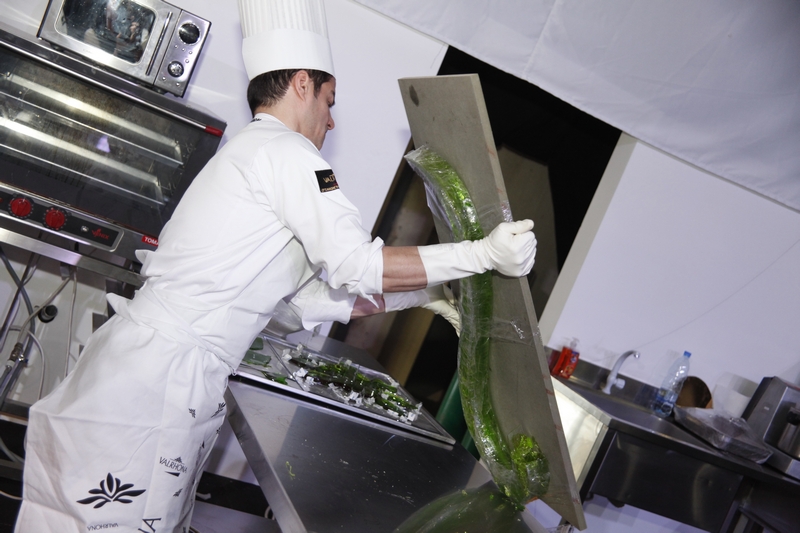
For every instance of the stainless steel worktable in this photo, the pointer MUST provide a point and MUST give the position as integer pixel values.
(325, 470)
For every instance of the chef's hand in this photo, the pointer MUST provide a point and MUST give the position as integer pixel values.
(438, 299)
(510, 248)
(442, 302)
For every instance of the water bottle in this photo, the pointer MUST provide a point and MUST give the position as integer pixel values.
(671, 386)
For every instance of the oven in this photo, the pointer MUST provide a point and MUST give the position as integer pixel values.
(90, 156)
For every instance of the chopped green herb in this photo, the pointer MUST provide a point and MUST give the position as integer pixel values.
(352, 385)
(258, 344)
(256, 359)
(275, 377)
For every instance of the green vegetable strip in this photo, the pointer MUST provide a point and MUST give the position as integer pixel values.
(516, 463)
(347, 378)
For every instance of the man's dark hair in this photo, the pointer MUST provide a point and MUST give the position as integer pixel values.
(268, 88)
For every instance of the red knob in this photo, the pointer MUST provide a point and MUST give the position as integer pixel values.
(21, 207)
(55, 218)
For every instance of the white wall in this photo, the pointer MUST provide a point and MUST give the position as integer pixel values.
(672, 258)
(681, 260)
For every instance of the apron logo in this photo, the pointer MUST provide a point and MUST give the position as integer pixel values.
(176, 465)
(220, 407)
(326, 180)
(111, 490)
(150, 523)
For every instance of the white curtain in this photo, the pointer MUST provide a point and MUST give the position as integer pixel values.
(715, 83)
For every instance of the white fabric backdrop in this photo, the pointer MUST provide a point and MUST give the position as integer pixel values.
(715, 83)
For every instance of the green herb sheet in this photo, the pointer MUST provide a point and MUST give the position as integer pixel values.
(515, 461)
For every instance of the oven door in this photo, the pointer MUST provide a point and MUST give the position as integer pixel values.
(125, 35)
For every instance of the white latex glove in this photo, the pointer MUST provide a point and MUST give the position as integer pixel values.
(510, 249)
(438, 299)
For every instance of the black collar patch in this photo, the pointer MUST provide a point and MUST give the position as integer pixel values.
(326, 180)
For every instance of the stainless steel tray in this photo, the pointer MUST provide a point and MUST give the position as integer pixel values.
(296, 369)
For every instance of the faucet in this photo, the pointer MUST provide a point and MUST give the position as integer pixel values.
(613, 380)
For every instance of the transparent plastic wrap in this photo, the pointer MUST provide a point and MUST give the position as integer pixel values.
(515, 461)
(478, 509)
(724, 432)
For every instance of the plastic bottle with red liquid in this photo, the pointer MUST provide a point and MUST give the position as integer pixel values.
(563, 363)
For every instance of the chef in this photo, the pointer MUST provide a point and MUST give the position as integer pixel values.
(121, 443)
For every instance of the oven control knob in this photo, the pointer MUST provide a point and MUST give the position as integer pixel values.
(55, 218)
(175, 69)
(21, 207)
(189, 33)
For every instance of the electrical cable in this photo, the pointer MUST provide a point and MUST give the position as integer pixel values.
(9, 371)
(74, 276)
(20, 351)
(38, 344)
(21, 291)
(11, 496)
(11, 455)
(26, 274)
(33, 267)
(52, 297)
(14, 457)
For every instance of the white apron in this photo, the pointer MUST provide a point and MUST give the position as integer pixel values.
(114, 454)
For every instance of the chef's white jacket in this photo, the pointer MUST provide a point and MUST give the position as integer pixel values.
(254, 226)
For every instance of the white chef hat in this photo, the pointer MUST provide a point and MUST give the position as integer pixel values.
(284, 34)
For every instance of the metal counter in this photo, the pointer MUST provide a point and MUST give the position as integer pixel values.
(324, 469)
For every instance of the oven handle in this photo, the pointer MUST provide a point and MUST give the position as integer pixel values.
(158, 44)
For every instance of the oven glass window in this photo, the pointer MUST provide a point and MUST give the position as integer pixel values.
(71, 141)
(118, 27)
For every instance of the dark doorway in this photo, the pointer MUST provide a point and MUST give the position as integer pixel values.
(574, 146)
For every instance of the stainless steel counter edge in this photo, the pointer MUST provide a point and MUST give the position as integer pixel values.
(700, 450)
(326, 470)
(285, 513)
(70, 258)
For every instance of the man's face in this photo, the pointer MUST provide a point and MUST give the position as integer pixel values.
(317, 119)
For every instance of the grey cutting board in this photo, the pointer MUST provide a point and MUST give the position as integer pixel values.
(448, 113)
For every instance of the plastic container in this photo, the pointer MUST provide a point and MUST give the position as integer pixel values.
(671, 386)
(724, 432)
